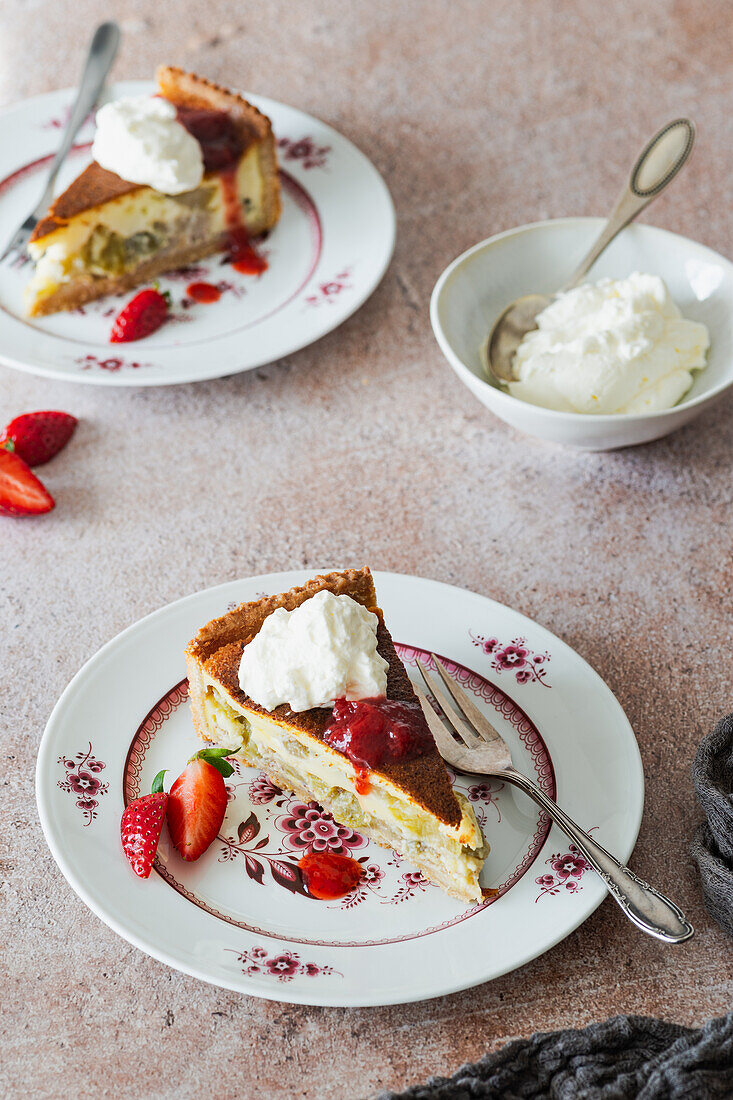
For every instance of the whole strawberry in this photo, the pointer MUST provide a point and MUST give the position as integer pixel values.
(197, 802)
(140, 827)
(21, 493)
(145, 313)
(38, 436)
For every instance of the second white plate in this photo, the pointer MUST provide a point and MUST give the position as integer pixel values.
(326, 255)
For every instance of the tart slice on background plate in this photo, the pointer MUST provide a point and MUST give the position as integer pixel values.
(330, 246)
(105, 234)
(404, 801)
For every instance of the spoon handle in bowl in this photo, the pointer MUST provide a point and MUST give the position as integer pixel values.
(658, 163)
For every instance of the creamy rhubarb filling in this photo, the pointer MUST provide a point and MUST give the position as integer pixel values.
(122, 234)
(452, 856)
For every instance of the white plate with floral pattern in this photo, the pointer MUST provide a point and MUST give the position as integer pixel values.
(239, 916)
(326, 255)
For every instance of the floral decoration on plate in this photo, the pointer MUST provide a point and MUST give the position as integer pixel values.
(568, 869)
(305, 150)
(284, 967)
(111, 363)
(81, 780)
(515, 656)
(329, 291)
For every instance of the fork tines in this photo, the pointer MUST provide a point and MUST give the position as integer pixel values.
(460, 716)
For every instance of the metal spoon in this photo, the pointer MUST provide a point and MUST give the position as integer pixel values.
(657, 165)
(102, 52)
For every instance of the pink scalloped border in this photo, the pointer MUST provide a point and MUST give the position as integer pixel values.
(144, 734)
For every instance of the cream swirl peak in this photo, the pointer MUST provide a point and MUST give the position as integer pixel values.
(140, 139)
(616, 346)
(324, 650)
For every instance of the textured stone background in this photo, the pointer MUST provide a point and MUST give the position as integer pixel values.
(365, 447)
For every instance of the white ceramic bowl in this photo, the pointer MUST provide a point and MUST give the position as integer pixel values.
(475, 288)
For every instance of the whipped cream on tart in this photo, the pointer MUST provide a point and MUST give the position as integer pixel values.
(106, 234)
(323, 650)
(401, 799)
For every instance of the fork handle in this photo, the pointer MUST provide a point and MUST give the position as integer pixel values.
(646, 907)
(102, 51)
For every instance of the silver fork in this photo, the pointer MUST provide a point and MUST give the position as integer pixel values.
(102, 51)
(481, 750)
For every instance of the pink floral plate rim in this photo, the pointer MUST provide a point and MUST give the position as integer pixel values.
(509, 709)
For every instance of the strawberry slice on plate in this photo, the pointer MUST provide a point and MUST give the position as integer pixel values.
(21, 493)
(141, 825)
(198, 801)
(142, 315)
(37, 436)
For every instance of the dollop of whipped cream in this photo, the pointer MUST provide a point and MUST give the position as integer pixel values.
(616, 346)
(324, 650)
(140, 139)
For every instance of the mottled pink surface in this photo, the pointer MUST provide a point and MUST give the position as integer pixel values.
(366, 448)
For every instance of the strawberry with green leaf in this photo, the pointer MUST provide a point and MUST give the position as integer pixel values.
(197, 802)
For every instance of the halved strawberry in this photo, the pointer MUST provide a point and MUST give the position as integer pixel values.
(140, 827)
(21, 493)
(38, 436)
(142, 315)
(198, 801)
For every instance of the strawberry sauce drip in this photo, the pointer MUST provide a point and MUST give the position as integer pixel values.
(363, 783)
(372, 732)
(222, 146)
(203, 292)
(240, 253)
(329, 875)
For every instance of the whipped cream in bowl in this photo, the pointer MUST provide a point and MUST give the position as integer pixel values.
(476, 287)
(611, 347)
(140, 139)
(324, 650)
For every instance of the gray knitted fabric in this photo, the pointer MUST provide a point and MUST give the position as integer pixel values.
(624, 1058)
(712, 774)
(627, 1056)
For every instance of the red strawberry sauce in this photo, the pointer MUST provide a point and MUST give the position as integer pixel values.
(362, 783)
(222, 145)
(203, 292)
(242, 256)
(328, 875)
(375, 731)
(217, 134)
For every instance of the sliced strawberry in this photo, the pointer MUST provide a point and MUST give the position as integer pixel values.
(140, 828)
(145, 313)
(198, 802)
(21, 493)
(38, 436)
